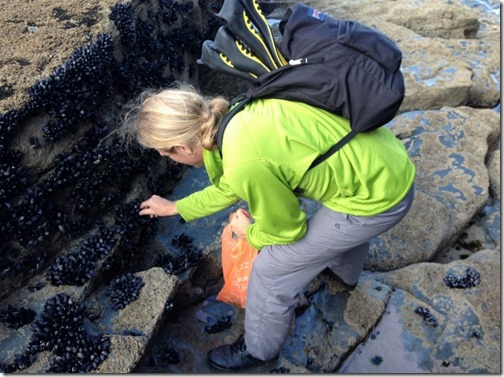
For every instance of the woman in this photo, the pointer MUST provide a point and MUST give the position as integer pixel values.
(365, 189)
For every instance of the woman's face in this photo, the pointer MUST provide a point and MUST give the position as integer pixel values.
(184, 154)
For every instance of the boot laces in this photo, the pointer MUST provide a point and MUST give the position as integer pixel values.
(239, 345)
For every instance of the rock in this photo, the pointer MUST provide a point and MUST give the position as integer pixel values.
(494, 171)
(433, 78)
(433, 18)
(400, 343)
(143, 318)
(330, 316)
(126, 351)
(145, 314)
(443, 63)
(35, 41)
(401, 318)
(467, 335)
(334, 322)
(449, 148)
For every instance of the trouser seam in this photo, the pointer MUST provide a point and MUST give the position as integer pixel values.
(261, 319)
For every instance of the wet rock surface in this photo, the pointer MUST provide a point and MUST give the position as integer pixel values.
(141, 291)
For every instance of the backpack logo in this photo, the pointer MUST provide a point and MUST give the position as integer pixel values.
(315, 13)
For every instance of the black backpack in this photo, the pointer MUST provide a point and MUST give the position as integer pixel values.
(341, 66)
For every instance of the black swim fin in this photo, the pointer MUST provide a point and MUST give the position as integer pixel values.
(217, 61)
(240, 22)
(241, 56)
(255, 13)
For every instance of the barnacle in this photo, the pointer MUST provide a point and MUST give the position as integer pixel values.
(35, 142)
(169, 306)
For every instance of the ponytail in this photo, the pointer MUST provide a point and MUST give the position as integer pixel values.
(218, 107)
(162, 119)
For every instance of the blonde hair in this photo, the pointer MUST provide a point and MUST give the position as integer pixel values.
(179, 115)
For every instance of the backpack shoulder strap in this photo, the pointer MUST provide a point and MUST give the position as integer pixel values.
(336, 147)
(238, 103)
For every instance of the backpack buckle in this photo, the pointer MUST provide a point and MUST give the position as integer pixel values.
(318, 59)
(298, 61)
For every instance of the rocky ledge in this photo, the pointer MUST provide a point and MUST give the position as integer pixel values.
(86, 286)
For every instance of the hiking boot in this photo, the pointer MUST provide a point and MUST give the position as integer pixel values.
(330, 273)
(234, 357)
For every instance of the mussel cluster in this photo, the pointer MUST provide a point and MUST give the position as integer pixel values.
(21, 362)
(470, 279)
(280, 370)
(69, 98)
(220, 325)
(28, 222)
(178, 263)
(170, 355)
(377, 360)
(427, 316)
(90, 70)
(14, 175)
(83, 97)
(66, 182)
(65, 202)
(148, 50)
(127, 218)
(124, 290)
(15, 317)
(78, 267)
(122, 16)
(60, 328)
(129, 249)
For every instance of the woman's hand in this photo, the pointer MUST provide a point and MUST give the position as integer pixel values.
(157, 206)
(240, 220)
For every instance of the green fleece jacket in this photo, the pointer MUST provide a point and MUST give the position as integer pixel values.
(267, 151)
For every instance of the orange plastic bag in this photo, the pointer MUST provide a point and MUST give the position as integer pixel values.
(237, 258)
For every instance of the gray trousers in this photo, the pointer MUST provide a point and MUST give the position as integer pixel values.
(280, 272)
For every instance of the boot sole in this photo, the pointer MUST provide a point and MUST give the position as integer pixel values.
(263, 368)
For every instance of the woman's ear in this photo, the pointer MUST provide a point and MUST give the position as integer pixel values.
(184, 149)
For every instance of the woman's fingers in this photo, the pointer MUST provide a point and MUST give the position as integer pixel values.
(147, 207)
(157, 206)
(243, 215)
(240, 222)
(146, 211)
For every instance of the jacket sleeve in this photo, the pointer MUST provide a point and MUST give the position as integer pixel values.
(277, 214)
(208, 201)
